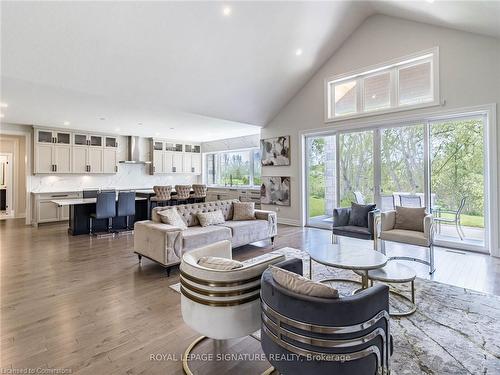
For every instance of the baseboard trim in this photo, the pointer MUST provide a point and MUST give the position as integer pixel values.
(282, 220)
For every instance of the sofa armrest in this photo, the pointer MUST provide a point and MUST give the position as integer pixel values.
(221, 249)
(371, 220)
(292, 265)
(272, 220)
(160, 242)
(429, 228)
(341, 217)
(388, 220)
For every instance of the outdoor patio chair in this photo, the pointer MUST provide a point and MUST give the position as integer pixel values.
(360, 198)
(410, 201)
(454, 220)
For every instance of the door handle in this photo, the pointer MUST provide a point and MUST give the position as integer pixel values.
(55, 167)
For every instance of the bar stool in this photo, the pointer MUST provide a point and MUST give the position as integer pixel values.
(90, 193)
(108, 191)
(183, 194)
(126, 207)
(105, 208)
(163, 196)
(199, 193)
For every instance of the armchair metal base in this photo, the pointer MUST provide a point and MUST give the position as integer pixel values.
(429, 263)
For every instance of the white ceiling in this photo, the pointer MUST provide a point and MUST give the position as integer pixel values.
(183, 65)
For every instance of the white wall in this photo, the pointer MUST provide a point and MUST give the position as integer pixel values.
(469, 75)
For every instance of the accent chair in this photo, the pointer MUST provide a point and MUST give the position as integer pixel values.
(312, 335)
(363, 227)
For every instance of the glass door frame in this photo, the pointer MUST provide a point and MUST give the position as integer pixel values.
(488, 114)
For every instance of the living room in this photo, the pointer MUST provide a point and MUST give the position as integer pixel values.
(251, 187)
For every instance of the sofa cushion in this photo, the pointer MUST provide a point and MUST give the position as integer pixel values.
(405, 236)
(244, 211)
(195, 237)
(410, 218)
(189, 211)
(210, 218)
(247, 231)
(359, 214)
(302, 285)
(218, 263)
(172, 217)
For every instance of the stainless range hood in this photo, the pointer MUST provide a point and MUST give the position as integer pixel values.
(134, 151)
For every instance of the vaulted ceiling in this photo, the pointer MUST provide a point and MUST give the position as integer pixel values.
(183, 68)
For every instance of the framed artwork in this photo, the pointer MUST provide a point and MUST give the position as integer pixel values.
(275, 151)
(275, 190)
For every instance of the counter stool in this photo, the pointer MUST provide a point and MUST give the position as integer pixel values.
(105, 208)
(162, 197)
(183, 194)
(199, 193)
(90, 193)
(126, 207)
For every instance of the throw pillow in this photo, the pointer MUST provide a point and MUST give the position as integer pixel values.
(359, 214)
(210, 218)
(243, 211)
(410, 218)
(172, 217)
(216, 263)
(302, 285)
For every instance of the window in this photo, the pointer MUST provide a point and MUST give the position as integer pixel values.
(233, 168)
(402, 84)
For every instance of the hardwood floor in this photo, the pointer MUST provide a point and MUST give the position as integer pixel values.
(86, 305)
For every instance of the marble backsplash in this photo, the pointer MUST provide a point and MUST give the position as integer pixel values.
(129, 176)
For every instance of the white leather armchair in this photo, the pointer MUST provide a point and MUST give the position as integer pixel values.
(410, 237)
(221, 304)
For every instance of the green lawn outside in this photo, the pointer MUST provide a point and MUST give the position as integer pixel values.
(317, 208)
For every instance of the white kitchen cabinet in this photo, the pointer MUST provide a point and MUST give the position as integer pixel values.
(95, 160)
(196, 163)
(158, 162)
(62, 159)
(177, 161)
(187, 165)
(110, 161)
(59, 137)
(47, 212)
(79, 159)
(43, 158)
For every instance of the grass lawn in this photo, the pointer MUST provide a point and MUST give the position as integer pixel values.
(317, 208)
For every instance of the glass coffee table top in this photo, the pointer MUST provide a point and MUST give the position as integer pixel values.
(347, 257)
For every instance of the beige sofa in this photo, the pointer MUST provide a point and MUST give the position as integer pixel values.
(166, 244)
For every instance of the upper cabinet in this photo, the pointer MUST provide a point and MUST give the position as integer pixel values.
(173, 157)
(59, 151)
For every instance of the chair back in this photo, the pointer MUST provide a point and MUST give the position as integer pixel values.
(222, 304)
(183, 191)
(347, 335)
(411, 200)
(126, 203)
(461, 206)
(162, 193)
(105, 206)
(90, 193)
(387, 203)
(200, 191)
(360, 199)
(108, 191)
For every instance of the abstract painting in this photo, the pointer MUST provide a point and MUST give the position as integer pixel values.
(275, 190)
(275, 151)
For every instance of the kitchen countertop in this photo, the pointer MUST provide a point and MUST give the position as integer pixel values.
(70, 202)
(80, 190)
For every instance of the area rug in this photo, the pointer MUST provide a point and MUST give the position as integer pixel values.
(454, 330)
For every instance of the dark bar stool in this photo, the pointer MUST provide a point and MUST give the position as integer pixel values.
(90, 193)
(105, 208)
(126, 207)
(108, 191)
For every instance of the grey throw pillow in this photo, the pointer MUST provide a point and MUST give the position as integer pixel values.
(243, 211)
(171, 216)
(359, 214)
(217, 263)
(410, 218)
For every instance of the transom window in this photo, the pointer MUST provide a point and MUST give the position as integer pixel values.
(233, 168)
(407, 83)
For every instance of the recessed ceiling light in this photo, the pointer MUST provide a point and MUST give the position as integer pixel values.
(430, 1)
(157, 134)
(298, 52)
(172, 128)
(3, 105)
(374, 96)
(139, 123)
(1, 115)
(66, 123)
(226, 11)
(117, 129)
(102, 118)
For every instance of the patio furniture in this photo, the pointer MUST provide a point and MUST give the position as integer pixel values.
(359, 197)
(418, 237)
(346, 335)
(343, 225)
(387, 202)
(454, 220)
(410, 200)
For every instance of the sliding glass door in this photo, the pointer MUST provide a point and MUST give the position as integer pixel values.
(321, 176)
(402, 167)
(457, 180)
(356, 168)
(439, 165)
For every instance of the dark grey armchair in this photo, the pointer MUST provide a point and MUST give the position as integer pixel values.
(343, 226)
(311, 335)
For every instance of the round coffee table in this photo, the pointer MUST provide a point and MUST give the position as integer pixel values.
(349, 258)
(396, 273)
